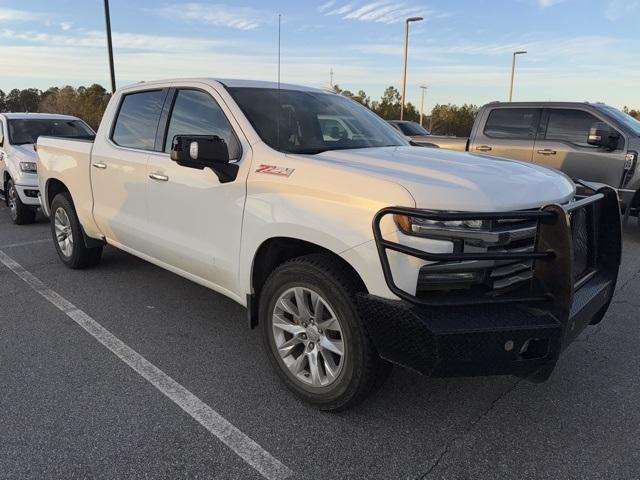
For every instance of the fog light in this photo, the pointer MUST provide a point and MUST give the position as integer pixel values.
(31, 193)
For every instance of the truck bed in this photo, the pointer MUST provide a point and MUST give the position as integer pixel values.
(70, 159)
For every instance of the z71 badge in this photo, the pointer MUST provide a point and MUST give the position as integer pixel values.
(275, 170)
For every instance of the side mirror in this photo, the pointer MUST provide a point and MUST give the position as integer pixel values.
(601, 135)
(204, 151)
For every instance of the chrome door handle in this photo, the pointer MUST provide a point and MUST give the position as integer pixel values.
(159, 177)
(483, 148)
(547, 151)
(100, 165)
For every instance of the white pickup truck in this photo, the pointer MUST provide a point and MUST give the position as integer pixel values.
(18, 160)
(350, 251)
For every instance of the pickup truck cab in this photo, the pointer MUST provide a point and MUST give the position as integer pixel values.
(351, 250)
(18, 158)
(591, 141)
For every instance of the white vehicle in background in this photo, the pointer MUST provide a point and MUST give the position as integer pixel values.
(18, 159)
(351, 248)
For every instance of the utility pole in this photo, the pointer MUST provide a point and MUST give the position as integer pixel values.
(424, 89)
(404, 67)
(513, 71)
(107, 17)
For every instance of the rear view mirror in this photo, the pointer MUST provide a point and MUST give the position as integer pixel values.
(601, 135)
(201, 151)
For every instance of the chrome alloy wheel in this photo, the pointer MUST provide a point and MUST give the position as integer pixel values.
(13, 204)
(308, 337)
(64, 234)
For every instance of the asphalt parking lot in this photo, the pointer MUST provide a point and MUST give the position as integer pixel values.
(71, 408)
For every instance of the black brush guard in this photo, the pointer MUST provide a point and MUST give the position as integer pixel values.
(521, 333)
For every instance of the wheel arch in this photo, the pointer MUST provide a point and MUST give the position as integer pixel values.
(275, 251)
(54, 187)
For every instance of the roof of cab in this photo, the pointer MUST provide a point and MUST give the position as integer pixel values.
(24, 116)
(231, 83)
(545, 104)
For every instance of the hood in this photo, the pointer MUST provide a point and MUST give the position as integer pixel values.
(24, 153)
(447, 180)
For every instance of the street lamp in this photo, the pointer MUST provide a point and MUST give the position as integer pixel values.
(404, 68)
(107, 18)
(513, 71)
(424, 89)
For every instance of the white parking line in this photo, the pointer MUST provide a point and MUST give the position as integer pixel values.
(246, 448)
(26, 244)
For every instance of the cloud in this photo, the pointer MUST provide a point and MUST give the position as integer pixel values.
(9, 15)
(66, 26)
(126, 41)
(549, 3)
(616, 9)
(219, 15)
(326, 5)
(381, 11)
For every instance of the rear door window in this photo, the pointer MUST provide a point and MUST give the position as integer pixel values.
(519, 123)
(137, 122)
(568, 125)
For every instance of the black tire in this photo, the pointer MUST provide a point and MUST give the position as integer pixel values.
(79, 256)
(363, 370)
(20, 213)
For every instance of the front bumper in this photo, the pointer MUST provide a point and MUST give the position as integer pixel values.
(492, 339)
(521, 335)
(29, 194)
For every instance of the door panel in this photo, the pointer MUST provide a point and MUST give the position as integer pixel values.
(194, 220)
(509, 132)
(119, 183)
(119, 170)
(562, 144)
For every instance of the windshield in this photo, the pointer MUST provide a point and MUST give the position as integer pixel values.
(28, 130)
(412, 129)
(294, 121)
(627, 120)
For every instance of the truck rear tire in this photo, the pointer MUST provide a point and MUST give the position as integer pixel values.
(313, 334)
(68, 237)
(20, 213)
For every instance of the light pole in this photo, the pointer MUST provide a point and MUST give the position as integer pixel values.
(404, 68)
(107, 18)
(513, 71)
(424, 89)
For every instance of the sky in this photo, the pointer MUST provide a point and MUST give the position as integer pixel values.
(579, 50)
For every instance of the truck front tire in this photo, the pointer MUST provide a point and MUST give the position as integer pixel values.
(21, 214)
(313, 334)
(68, 237)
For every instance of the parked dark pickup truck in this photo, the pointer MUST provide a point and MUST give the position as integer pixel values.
(590, 141)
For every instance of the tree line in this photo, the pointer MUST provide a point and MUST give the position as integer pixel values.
(90, 102)
(444, 119)
(87, 103)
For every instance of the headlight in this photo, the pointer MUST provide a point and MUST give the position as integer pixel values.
(416, 226)
(29, 167)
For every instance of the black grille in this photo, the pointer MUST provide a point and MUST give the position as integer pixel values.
(492, 277)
